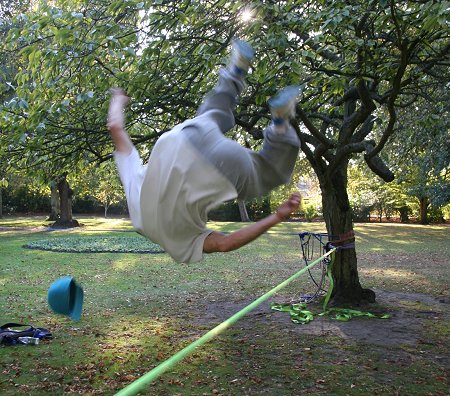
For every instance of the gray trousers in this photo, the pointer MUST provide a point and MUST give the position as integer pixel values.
(254, 174)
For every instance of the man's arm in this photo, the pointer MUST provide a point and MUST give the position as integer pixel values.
(217, 242)
(116, 121)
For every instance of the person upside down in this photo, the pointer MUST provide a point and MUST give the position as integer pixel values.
(194, 168)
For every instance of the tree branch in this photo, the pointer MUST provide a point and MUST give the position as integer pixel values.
(311, 128)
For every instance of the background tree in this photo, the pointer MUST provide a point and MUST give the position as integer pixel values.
(55, 207)
(53, 114)
(369, 194)
(3, 184)
(107, 189)
(24, 194)
(421, 150)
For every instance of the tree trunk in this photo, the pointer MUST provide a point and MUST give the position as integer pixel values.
(243, 211)
(65, 199)
(424, 210)
(54, 202)
(404, 217)
(338, 219)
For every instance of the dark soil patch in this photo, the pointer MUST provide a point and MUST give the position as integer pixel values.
(409, 324)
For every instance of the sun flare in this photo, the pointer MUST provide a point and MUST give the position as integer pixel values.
(247, 15)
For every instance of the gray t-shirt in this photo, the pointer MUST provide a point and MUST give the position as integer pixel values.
(179, 189)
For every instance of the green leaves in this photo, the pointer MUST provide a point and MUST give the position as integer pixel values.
(3, 183)
(85, 96)
(166, 55)
(101, 244)
(68, 56)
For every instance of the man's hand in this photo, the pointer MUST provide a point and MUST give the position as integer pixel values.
(217, 242)
(289, 206)
(116, 117)
(116, 121)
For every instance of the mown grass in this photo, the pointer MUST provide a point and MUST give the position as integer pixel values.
(140, 309)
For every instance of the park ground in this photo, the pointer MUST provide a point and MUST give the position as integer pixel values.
(140, 309)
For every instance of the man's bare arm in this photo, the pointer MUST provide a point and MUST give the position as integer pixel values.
(116, 121)
(217, 242)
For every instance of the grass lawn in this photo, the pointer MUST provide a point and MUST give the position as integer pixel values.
(140, 309)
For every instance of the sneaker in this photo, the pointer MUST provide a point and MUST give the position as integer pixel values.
(241, 57)
(282, 105)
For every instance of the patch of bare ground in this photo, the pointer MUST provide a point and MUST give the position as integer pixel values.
(410, 326)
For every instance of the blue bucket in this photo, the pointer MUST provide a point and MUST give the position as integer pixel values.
(65, 297)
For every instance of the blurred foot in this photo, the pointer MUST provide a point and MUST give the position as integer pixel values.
(241, 57)
(282, 107)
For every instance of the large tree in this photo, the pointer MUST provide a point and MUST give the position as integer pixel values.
(363, 60)
(357, 62)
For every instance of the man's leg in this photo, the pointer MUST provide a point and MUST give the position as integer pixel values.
(221, 101)
(274, 163)
(282, 107)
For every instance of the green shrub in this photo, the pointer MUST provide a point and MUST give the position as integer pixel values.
(21, 199)
(310, 212)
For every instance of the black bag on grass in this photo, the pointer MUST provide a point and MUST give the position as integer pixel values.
(9, 336)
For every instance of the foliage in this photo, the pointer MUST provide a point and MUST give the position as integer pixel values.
(421, 151)
(368, 194)
(259, 208)
(228, 211)
(87, 46)
(310, 212)
(105, 185)
(303, 180)
(339, 49)
(22, 194)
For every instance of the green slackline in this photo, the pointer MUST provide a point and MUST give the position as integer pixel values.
(149, 377)
(331, 280)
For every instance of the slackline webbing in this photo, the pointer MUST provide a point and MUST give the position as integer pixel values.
(149, 377)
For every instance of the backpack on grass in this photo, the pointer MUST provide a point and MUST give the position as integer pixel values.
(9, 336)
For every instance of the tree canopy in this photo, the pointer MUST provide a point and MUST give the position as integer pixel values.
(358, 60)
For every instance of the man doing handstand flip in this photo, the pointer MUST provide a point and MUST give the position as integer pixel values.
(194, 168)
